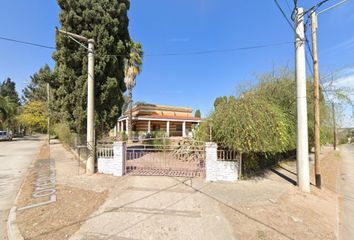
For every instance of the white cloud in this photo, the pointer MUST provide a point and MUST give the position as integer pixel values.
(346, 82)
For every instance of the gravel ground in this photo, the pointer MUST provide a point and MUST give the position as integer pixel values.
(57, 220)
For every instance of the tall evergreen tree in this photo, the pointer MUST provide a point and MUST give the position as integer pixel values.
(197, 114)
(106, 22)
(8, 89)
(36, 90)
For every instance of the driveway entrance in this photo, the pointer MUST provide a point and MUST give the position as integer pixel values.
(158, 157)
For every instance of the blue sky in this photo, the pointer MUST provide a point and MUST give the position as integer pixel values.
(166, 26)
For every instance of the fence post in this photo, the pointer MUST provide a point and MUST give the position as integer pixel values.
(119, 149)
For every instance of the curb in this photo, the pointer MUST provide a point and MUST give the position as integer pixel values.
(13, 232)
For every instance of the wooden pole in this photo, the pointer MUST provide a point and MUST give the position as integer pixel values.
(334, 127)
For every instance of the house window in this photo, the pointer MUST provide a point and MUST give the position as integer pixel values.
(155, 127)
(179, 127)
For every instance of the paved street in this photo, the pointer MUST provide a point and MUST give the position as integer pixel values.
(346, 191)
(15, 157)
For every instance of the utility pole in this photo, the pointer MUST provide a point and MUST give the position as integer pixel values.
(334, 127)
(316, 77)
(314, 27)
(90, 164)
(48, 117)
(302, 157)
(91, 146)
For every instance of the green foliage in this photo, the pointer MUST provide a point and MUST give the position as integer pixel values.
(62, 131)
(8, 110)
(8, 89)
(36, 90)
(250, 124)
(9, 104)
(157, 139)
(202, 132)
(261, 121)
(105, 21)
(34, 116)
(132, 67)
(123, 136)
(197, 114)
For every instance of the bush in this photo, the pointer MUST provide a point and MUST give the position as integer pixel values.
(202, 132)
(64, 134)
(251, 124)
(157, 139)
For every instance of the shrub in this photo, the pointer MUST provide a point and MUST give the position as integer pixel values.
(64, 134)
(250, 124)
(157, 139)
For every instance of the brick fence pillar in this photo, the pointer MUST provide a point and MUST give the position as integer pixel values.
(211, 150)
(219, 170)
(119, 149)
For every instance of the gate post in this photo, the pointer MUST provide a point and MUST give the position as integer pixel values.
(219, 170)
(119, 149)
(211, 150)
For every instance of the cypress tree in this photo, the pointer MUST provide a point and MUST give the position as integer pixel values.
(106, 22)
(197, 114)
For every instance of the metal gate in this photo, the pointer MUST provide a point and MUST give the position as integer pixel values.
(156, 158)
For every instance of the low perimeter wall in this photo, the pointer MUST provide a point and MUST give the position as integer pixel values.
(219, 170)
(108, 164)
(113, 162)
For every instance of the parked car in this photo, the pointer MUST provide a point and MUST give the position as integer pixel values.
(5, 136)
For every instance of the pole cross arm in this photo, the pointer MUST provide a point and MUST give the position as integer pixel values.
(76, 36)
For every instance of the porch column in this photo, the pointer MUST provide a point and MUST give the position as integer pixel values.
(126, 125)
(116, 129)
(121, 126)
(149, 126)
(168, 128)
(184, 130)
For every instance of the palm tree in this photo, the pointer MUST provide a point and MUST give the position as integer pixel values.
(132, 68)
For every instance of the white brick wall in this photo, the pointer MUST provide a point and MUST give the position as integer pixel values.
(113, 165)
(219, 170)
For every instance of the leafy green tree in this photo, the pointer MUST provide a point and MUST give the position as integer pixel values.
(34, 116)
(8, 110)
(197, 114)
(8, 89)
(106, 22)
(36, 90)
(219, 100)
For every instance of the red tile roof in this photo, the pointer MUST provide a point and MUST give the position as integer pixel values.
(170, 117)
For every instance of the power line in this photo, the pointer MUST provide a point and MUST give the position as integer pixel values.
(315, 7)
(26, 43)
(284, 15)
(201, 52)
(288, 5)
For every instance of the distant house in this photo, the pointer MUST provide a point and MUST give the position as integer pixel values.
(149, 118)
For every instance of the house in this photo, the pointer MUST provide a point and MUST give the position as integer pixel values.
(149, 118)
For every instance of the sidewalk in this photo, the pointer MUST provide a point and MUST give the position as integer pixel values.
(346, 190)
(134, 207)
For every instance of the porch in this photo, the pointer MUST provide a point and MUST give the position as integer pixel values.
(171, 126)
